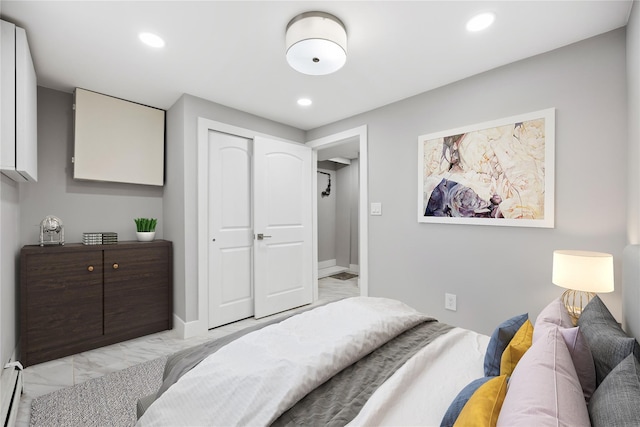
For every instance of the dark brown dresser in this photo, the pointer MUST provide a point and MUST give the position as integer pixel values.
(75, 297)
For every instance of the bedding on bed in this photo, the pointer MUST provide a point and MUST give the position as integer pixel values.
(254, 379)
(374, 361)
(420, 392)
(338, 400)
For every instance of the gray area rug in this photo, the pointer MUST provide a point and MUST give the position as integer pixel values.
(106, 401)
(344, 276)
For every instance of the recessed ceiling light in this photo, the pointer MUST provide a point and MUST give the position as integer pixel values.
(151, 39)
(480, 22)
(304, 102)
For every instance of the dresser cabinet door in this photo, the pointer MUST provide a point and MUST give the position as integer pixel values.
(137, 291)
(64, 302)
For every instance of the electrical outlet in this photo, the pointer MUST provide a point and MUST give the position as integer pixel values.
(376, 208)
(450, 302)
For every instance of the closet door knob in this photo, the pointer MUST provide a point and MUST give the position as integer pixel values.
(90, 268)
(115, 266)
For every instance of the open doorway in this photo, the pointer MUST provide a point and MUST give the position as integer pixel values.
(337, 198)
(341, 181)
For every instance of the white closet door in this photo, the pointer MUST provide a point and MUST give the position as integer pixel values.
(283, 216)
(231, 229)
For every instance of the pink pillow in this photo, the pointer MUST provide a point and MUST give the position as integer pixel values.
(553, 314)
(544, 389)
(582, 359)
(556, 315)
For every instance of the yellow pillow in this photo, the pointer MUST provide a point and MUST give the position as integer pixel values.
(483, 407)
(518, 346)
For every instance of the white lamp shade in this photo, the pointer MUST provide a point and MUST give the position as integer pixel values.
(316, 43)
(583, 271)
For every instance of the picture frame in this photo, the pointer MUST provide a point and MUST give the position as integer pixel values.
(498, 172)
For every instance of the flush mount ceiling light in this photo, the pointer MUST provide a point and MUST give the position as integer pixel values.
(316, 43)
(480, 22)
(304, 102)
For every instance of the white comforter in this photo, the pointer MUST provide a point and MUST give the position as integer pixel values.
(254, 379)
(420, 392)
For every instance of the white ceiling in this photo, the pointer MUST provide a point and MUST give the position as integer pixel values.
(233, 53)
(347, 149)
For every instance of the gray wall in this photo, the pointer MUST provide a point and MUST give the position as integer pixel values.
(9, 247)
(633, 102)
(355, 219)
(326, 213)
(501, 271)
(343, 191)
(173, 203)
(180, 200)
(630, 300)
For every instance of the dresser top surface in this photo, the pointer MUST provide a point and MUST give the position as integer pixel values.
(130, 244)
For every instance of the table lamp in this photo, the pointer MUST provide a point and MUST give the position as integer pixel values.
(583, 274)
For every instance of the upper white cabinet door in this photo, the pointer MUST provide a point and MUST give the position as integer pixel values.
(18, 106)
(117, 140)
(26, 110)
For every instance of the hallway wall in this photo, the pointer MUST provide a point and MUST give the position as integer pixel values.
(326, 213)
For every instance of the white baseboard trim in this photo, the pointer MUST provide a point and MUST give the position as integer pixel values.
(326, 264)
(10, 391)
(186, 330)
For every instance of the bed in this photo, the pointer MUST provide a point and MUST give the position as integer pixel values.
(375, 361)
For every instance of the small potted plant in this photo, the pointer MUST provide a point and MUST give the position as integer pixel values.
(145, 229)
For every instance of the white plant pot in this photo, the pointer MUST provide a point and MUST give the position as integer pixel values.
(145, 236)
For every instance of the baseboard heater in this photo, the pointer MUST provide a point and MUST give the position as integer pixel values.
(10, 392)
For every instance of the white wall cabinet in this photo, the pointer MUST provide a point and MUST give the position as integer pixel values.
(18, 106)
(117, 140)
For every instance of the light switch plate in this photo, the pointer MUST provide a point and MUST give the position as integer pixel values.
(376, 208)
(450, 302)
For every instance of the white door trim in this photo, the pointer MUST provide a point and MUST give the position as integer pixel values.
(200, 327)
(363, 220)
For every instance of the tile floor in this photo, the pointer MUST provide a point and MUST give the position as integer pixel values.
(50, 376)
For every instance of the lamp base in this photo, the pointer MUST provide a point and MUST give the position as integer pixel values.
(575, 301)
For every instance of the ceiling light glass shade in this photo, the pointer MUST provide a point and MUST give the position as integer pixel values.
(316, 43)
(583, 271)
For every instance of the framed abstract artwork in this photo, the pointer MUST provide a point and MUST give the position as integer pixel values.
(493, 173)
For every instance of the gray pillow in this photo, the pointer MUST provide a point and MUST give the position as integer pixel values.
(608, 342)
(616, 402)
